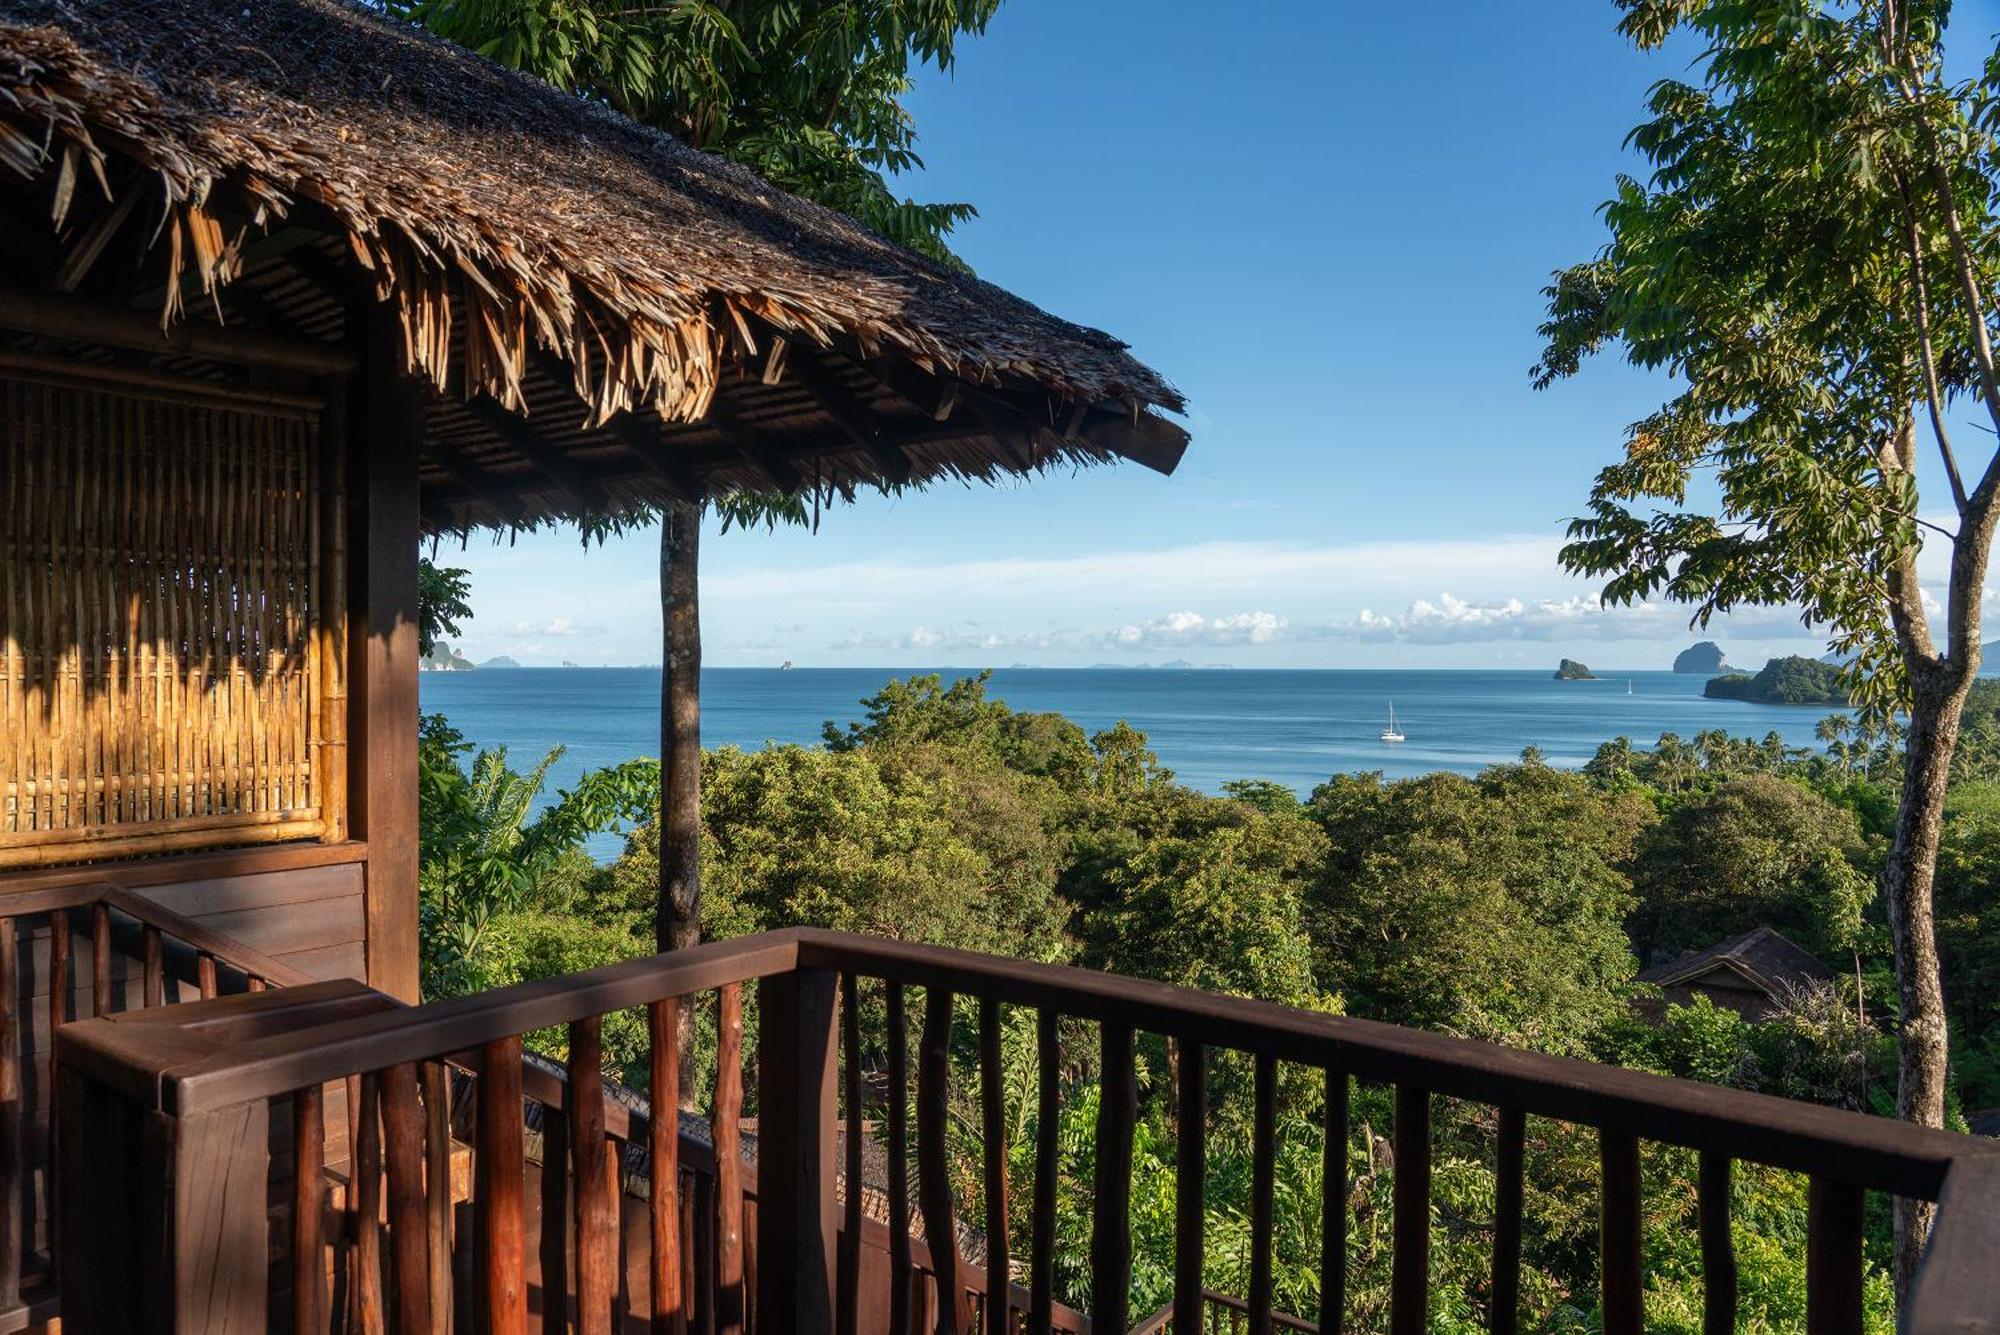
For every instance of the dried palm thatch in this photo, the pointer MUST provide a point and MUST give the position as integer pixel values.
(506, 220)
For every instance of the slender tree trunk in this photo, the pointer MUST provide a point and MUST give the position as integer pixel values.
(1938, 699)
(678, 923)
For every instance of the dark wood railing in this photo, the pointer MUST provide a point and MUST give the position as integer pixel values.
(803, 1280)
(68, 953)
(1222, 1314)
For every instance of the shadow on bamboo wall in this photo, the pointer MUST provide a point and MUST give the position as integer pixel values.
(172, 649)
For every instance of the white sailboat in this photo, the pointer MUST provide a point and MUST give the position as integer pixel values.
(1390, 734)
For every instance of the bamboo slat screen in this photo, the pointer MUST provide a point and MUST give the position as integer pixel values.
(167, 678)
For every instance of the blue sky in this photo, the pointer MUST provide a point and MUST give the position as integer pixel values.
(1329, 224)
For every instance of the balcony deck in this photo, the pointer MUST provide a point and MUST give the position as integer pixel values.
(242, 1106)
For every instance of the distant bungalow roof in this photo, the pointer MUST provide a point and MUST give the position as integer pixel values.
(539, 248)
(1762, 957)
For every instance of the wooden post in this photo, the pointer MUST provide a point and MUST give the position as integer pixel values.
(797, 1108)
(1190, 1182)
(1410, 1266)
(1111, 1212)
(385, 526)
(101, 1212)
(500, 1192)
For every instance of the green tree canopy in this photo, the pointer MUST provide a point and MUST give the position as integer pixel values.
(1490, 907)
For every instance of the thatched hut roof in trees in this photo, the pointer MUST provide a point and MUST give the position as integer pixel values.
(608, 316)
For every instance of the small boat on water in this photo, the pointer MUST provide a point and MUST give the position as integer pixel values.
(1390, 734)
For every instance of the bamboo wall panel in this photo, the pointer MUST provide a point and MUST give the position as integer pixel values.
(164, 659)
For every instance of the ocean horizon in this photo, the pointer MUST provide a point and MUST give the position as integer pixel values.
(1297, 727)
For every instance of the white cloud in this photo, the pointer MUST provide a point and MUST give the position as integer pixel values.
(1178, 629)
(559, 628)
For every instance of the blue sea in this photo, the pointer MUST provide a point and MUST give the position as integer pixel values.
(1208, 726)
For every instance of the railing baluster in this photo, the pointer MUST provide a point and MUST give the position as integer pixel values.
(897, 1025)
(554, 1242)
(798, 1097)
(1833, 1258)
(847, 1305)
(154, 968)
(595, 1273)
(663, 1088)
(403, 1133)
(204, 974)
(1509, 1183)
(500, 1191)
(100, 959)
(726, 1123)
(437, 1189)
(993, 1103)
(309, 1313)
(1111, 1215)
(1263, 1185)
(1190, 1184)
(1718, 1248)
(1333, 1208)
(365, 1285)
(934, 1163)
(614, 1191)
(11, 1234)
(1410, 1267)
(58, 1016)
(1620, 1258)
(1048, 1125)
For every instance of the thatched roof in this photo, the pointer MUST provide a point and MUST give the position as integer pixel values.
(1762, 959)
(539, 249)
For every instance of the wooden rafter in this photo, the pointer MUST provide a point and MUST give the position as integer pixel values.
(642, 439)
(482, 485)
(755, 445)
(704, 461)
(848, 414)
(88, 247)
(547, 459)
(636, 432)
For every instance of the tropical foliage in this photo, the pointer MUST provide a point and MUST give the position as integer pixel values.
(1516, 906)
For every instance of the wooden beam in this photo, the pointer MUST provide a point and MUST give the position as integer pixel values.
(84, 254)
(482, 485)
(702, 461)
(755, 445)
(852, 418)
(385, 521)
(1144, 438)
(642, 439)
(68, 317)
(638, 434)
(558, 466)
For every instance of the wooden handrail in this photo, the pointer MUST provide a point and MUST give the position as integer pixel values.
(1874, 1152)
(797, 970)
(283, 1063)
(1163, 1320)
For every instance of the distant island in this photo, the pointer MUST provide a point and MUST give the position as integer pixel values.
(1704, 658)
(500, 661)
(1782, 681)
(1571, 670)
